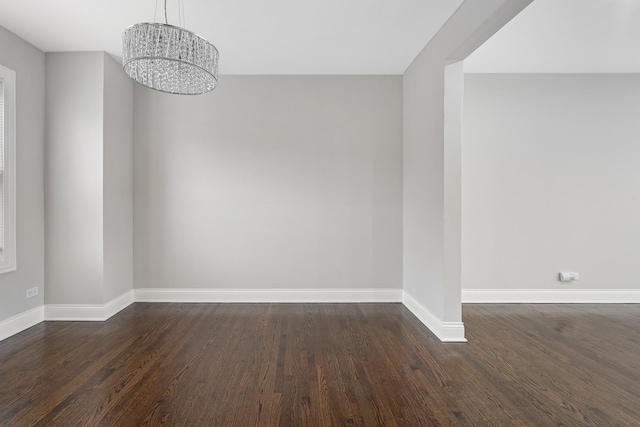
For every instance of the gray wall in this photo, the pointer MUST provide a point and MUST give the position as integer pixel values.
(118, 180)
(550, 181)
(424, 249)
(73, 177)
(28, 63)
(282, 182)
(423, 254)
(88, 171)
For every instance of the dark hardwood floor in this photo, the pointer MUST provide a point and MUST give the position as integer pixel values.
(326, 365)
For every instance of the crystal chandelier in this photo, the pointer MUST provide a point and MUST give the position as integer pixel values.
(169, 58)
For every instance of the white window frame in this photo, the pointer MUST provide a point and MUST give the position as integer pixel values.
(8, 260)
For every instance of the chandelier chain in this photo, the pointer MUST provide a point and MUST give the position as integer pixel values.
(181, 11)
(181, 21)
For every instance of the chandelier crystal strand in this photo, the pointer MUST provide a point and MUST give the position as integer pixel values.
(169, 59)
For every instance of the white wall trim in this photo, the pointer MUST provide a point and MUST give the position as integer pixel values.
(74, 312)
(445, 331)
(87, 312)
(21, 322)
(195, 295)
(551, 296)
(118, 304)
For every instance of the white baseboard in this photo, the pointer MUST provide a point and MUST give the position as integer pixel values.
(21, 322)
(74, 312)
(551, 296)
(195, 295)
(118, 304)
(87, 312)
(445, 331)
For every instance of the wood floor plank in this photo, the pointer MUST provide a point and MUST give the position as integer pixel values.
(326, 365)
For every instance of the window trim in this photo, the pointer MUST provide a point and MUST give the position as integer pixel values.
(8, 77)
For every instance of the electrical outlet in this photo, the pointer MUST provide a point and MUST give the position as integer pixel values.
(32, 292)
(568, 277)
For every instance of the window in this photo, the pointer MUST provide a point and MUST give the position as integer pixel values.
(7, 170)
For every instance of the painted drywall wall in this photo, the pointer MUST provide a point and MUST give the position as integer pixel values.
(88, 170)
(28, 63)
(118, 180)
(270, 182)
(424, 156)
(568, 36)
(453, 97)
(74, 178)
(551, 181)
(423, 242)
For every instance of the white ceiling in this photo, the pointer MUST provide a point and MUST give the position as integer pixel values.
(565, 36)
(253, 36)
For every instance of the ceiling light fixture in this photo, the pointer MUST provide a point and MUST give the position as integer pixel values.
(169, 58)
